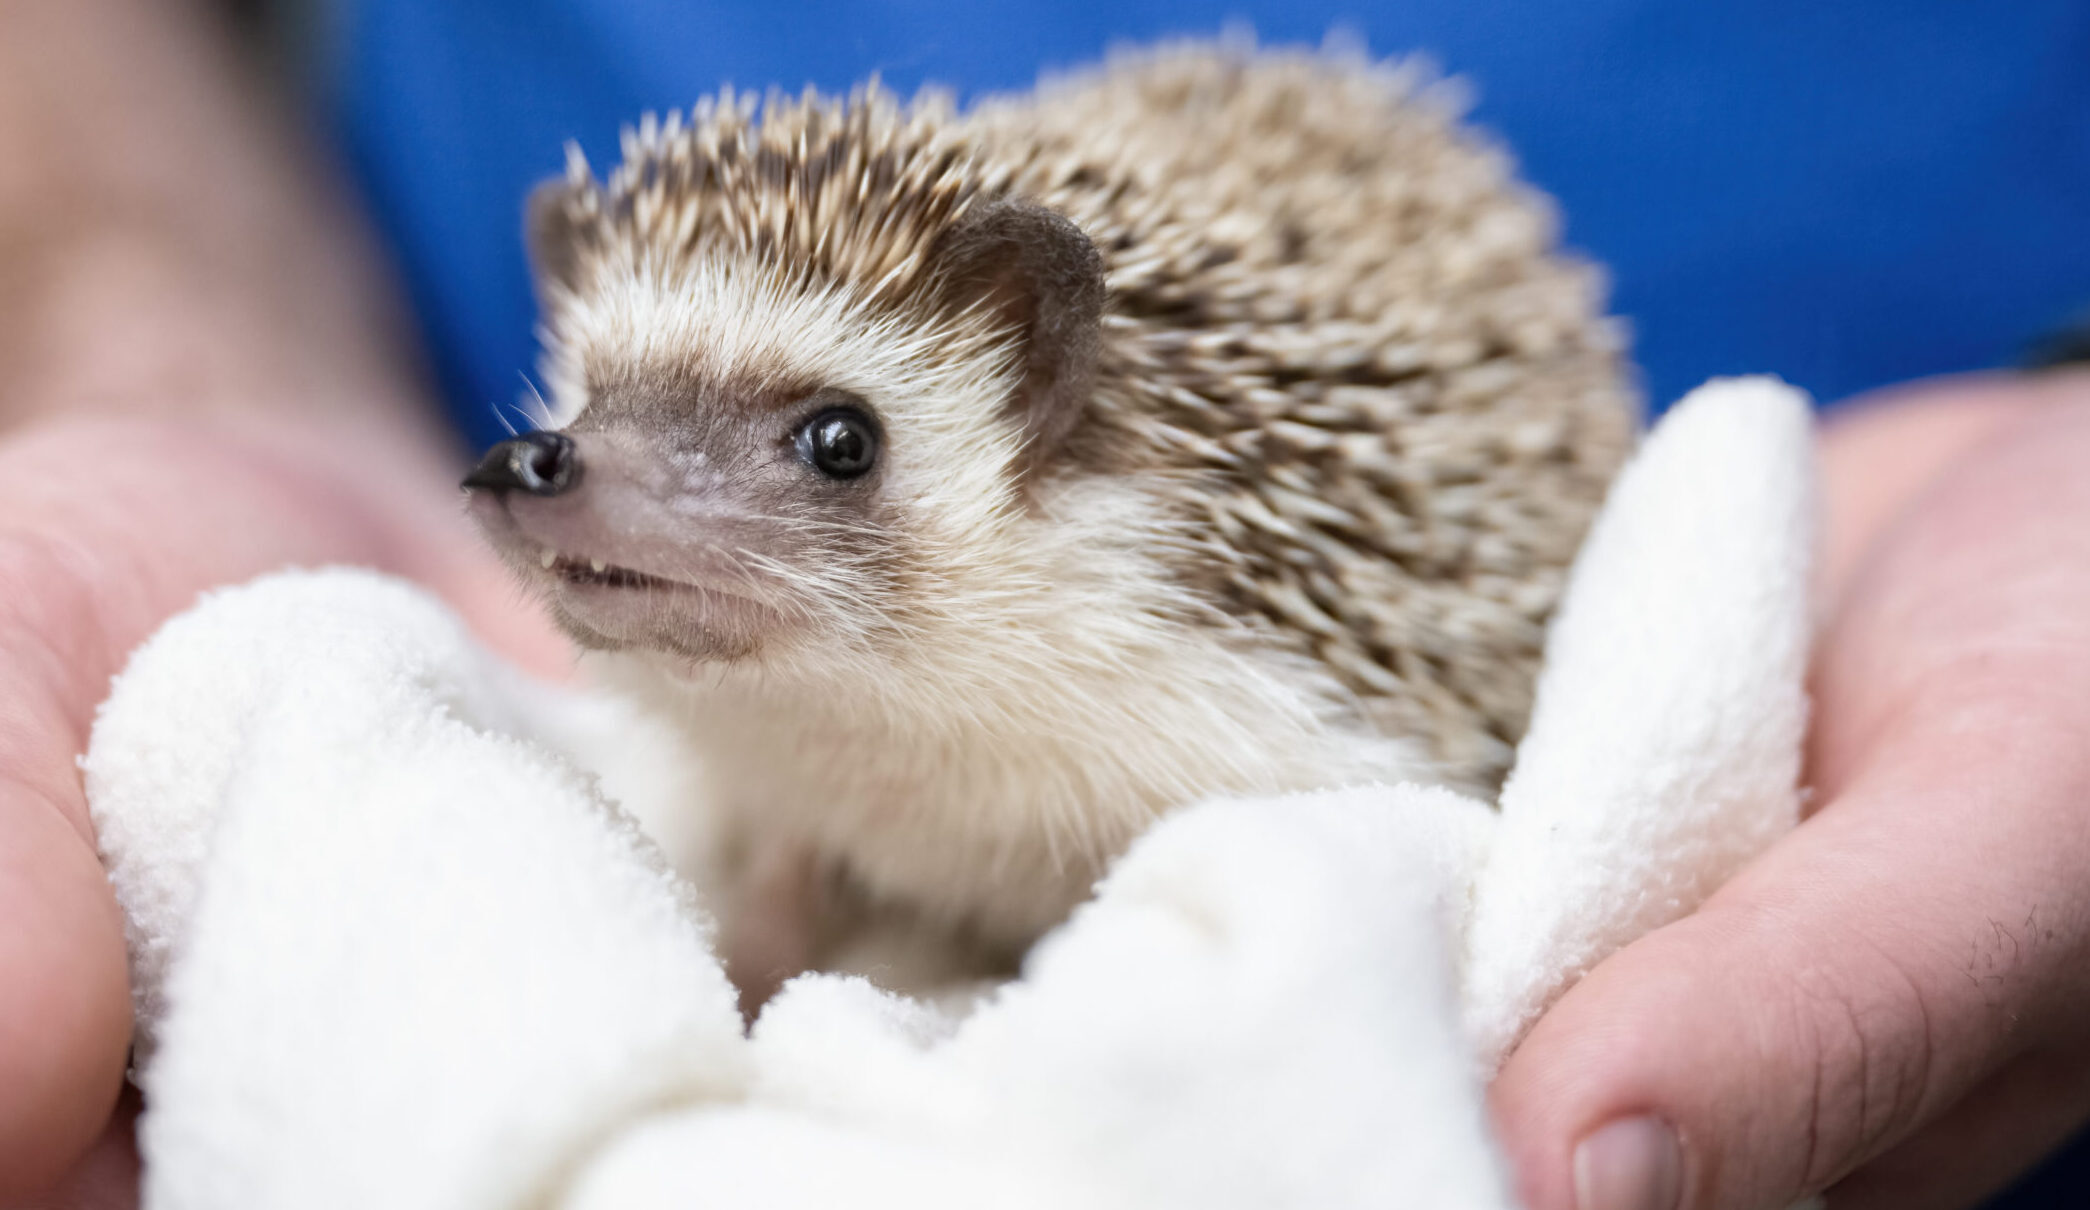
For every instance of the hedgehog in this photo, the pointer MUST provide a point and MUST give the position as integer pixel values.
(971, 486)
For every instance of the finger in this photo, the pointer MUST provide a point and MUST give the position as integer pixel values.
(1853, 985)
(1880, 451)
(106, 1178)
(64, 1018)
(1997, 1134)
(64, 1007)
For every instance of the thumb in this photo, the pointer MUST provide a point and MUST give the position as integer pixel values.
(1855, 984)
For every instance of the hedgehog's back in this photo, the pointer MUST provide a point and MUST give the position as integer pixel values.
(1340, 303)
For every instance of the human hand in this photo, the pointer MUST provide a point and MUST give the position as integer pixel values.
(1890, 1003)
(107, 526)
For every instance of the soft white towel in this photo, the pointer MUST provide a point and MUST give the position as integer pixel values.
(384, 953)
(1664, 747)
(391, 946)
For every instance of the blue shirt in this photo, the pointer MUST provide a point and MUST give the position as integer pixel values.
(1846, 193)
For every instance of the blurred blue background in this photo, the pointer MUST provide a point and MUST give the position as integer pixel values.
(1847, 194)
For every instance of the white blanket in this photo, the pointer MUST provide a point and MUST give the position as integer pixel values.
(392, 945)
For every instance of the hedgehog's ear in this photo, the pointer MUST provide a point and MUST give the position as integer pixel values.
(1037, 272)
(550, 235)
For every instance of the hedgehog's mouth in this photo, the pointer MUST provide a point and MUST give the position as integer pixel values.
(591, 576)
(594, 573)
(624, 577)
(609, 605)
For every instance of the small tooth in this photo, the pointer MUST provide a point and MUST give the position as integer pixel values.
(596, 566)
(548, 558)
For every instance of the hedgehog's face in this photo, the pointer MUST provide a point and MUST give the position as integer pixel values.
(742, 462)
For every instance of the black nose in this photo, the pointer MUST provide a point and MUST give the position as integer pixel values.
(542, 464)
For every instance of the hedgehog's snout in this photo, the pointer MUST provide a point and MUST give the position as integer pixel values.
(638, 542)
(542, 464)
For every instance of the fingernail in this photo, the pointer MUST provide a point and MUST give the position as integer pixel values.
(1630, 1164)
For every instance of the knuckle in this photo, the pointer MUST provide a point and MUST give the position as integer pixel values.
(53, 657)
(1862, 1032)
(49, 666)
(41, 593)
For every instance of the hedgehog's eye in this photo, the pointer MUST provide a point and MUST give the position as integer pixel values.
(841, 443)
